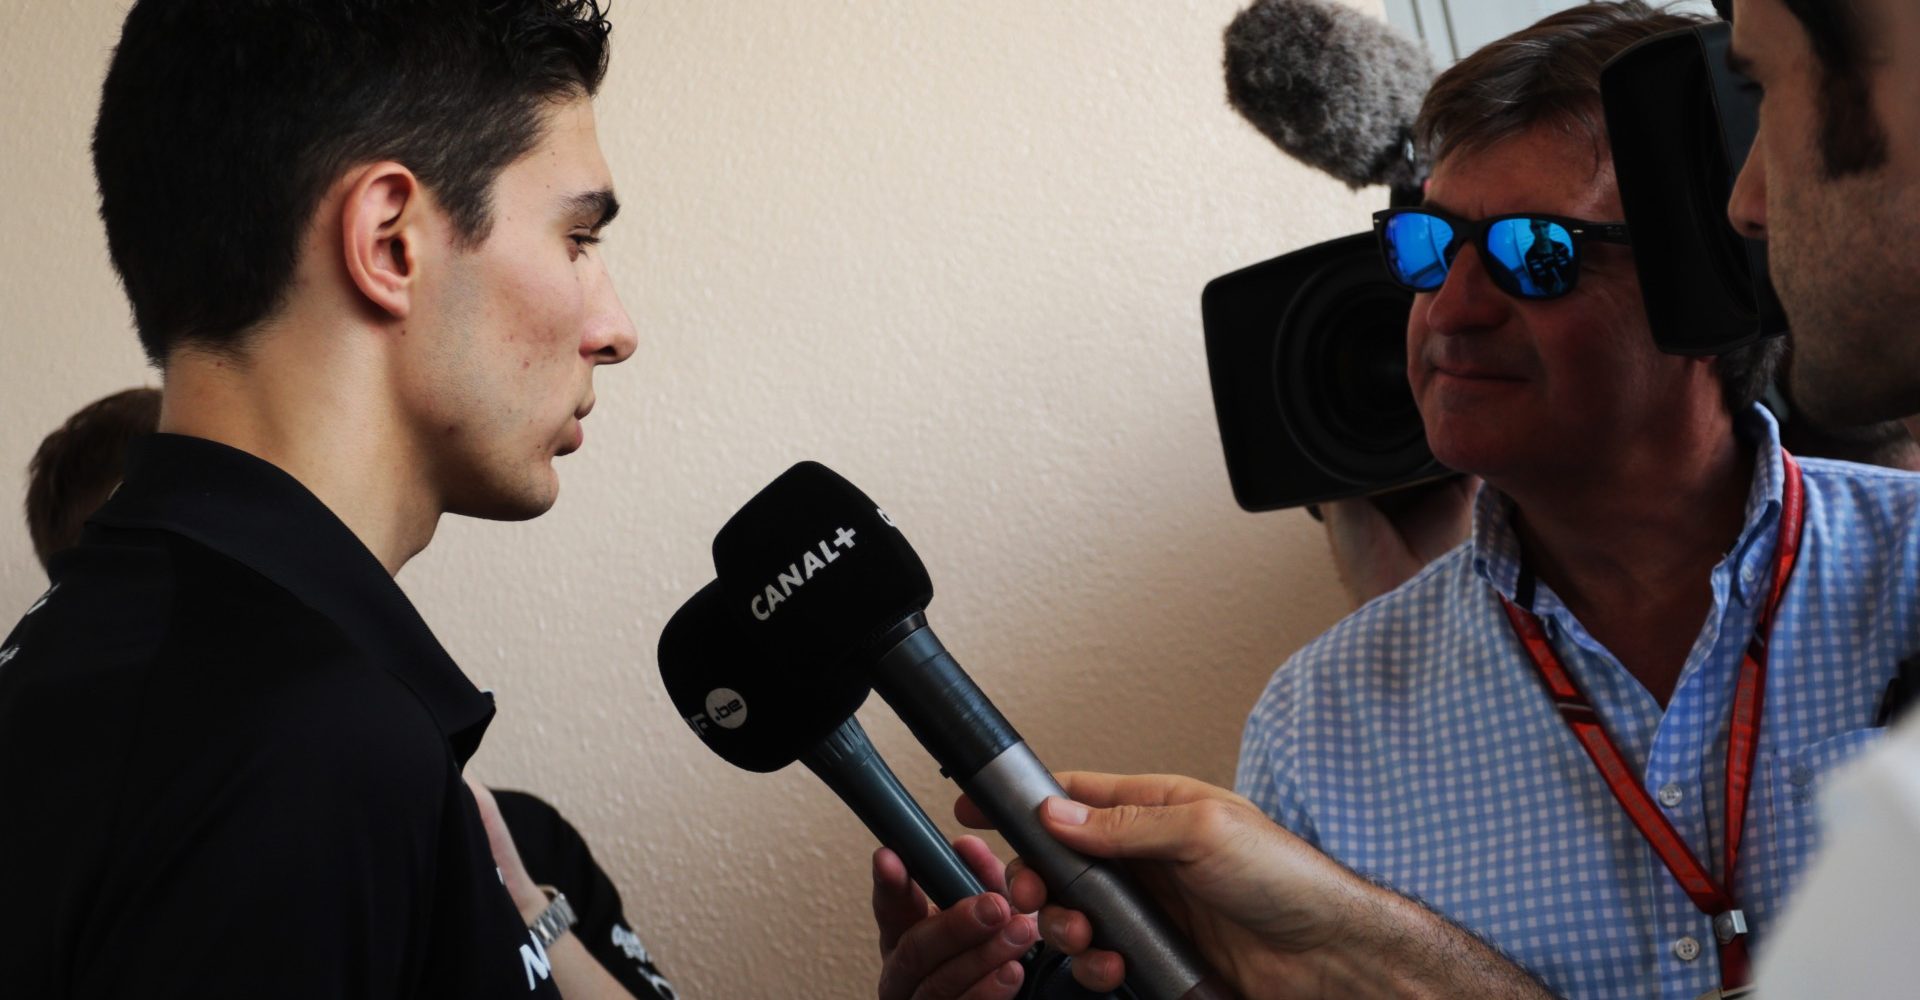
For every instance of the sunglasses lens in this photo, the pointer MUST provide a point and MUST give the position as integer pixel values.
(1535, 254)
(1417, 249)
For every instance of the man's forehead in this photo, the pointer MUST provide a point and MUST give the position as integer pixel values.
(566, 167)
(1756, 27)
(1547, 169)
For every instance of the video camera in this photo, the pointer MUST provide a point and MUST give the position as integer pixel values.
(1306, 352)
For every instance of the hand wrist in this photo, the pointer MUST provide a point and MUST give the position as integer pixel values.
(529, 900)
(554, 920)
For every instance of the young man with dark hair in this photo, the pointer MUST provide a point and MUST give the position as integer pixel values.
(1592, 735)
(1833, 186)
(79, 465)
(357, 238)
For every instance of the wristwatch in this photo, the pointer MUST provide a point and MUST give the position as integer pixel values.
(555, 920)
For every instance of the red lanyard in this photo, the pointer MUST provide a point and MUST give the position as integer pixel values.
(1743, 737)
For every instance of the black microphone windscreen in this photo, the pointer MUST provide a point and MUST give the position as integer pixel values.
(1332, 87)
(816, 568)
(757, 710)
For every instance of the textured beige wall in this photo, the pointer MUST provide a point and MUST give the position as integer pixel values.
(954, 251)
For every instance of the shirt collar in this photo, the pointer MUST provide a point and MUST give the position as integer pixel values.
(1496, 546)
(256, 514)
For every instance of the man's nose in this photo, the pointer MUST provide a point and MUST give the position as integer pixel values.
(611, 337)
(1468, 298)
(1747, 206)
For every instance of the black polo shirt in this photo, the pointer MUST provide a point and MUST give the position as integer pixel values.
(230, 756)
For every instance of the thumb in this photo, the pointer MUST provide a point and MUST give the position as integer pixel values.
(1163, 833)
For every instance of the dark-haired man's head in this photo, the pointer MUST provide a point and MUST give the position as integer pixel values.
(370, 219)
(1832, 184)
(223, 122)
(1507, 385)
(76, 467)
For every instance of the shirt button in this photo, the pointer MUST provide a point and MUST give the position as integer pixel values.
(1747, 575)
(1686, 949)
(1671, 794)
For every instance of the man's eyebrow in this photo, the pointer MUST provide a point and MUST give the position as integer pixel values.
(600, 206)
(1738, 62)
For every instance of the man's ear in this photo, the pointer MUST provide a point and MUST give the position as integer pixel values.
(381, 227)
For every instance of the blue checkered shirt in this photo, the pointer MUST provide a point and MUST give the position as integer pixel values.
(1415, 743)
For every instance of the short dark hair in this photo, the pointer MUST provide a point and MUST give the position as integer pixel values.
(1548, 75)
(222, 123)
(1544, 74)
(1852, 140)
(77, 466)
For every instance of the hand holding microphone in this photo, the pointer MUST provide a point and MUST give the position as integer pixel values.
(1278, 917)
(1260, 904)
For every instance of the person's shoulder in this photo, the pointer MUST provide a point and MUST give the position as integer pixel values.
(1868, 508)
(1385, 639)
(166, 649)
(1840, 475)
(1411, 610)
(1854, 483)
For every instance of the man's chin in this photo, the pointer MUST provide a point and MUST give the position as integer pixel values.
(1475, 450)
(1838, 396)
(504, 505)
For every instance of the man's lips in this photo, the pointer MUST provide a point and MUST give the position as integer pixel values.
(1474, 373)
(577, 438)
(578, 435)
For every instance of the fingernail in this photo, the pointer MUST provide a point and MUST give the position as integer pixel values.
(1019, 933)
(1009, 974)
(990, 911)
(1065, 811)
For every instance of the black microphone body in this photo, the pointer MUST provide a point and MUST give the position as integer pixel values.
(762, 719)
(848, 763)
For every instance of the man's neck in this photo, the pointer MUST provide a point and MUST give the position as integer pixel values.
(1630, 546)
(320, 421)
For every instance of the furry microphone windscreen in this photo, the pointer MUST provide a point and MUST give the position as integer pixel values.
(1332, 87)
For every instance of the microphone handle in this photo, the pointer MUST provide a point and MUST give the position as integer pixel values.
(847, 761)
(852, 766)
(977, 747)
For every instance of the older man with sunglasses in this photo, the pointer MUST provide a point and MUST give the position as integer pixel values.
(1593, 735)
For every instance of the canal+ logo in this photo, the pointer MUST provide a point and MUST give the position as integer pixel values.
(823, 554)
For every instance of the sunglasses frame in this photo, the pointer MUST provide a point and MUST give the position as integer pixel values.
(1476, 232)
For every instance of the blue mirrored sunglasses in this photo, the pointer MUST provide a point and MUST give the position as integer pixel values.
(1527, 256)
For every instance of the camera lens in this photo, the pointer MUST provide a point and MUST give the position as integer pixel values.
(1340, 376)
